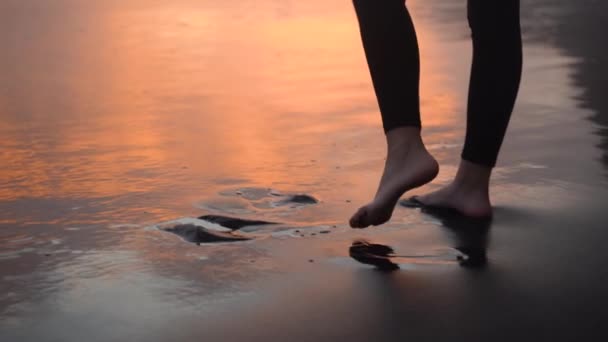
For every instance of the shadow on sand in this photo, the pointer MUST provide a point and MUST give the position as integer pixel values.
(469, 236)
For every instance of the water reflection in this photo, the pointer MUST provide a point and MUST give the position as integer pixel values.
(578, 28)
(469, 235)
(133, 105)
(114, 114)
(132, 111)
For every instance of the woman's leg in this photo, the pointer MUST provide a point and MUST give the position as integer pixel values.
(493, 87)
(495, 76)
(391, 49)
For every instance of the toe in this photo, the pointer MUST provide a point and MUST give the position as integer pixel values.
(356, 221)
(353, 220)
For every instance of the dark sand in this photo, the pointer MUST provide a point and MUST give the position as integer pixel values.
(115, 117)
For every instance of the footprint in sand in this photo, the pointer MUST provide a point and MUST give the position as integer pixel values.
(210, 228)
(251, 199)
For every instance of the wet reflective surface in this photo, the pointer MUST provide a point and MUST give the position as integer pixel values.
(117, 116)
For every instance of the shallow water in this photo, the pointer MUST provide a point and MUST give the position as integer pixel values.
(116, 116)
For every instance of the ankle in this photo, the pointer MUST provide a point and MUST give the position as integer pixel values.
(473, 178)
(404, 138)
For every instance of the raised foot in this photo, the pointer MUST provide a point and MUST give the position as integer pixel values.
(404, 170)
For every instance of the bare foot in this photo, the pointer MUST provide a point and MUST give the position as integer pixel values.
(468, 193)
(408, 165)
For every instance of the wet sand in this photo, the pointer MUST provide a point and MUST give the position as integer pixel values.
(117, 117)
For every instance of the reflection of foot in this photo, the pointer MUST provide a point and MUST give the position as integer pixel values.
(469, 201)
(408, 165)
(373, 254)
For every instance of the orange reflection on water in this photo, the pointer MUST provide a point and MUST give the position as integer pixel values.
(170, 97)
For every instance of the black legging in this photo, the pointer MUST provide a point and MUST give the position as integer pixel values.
(391, 49)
